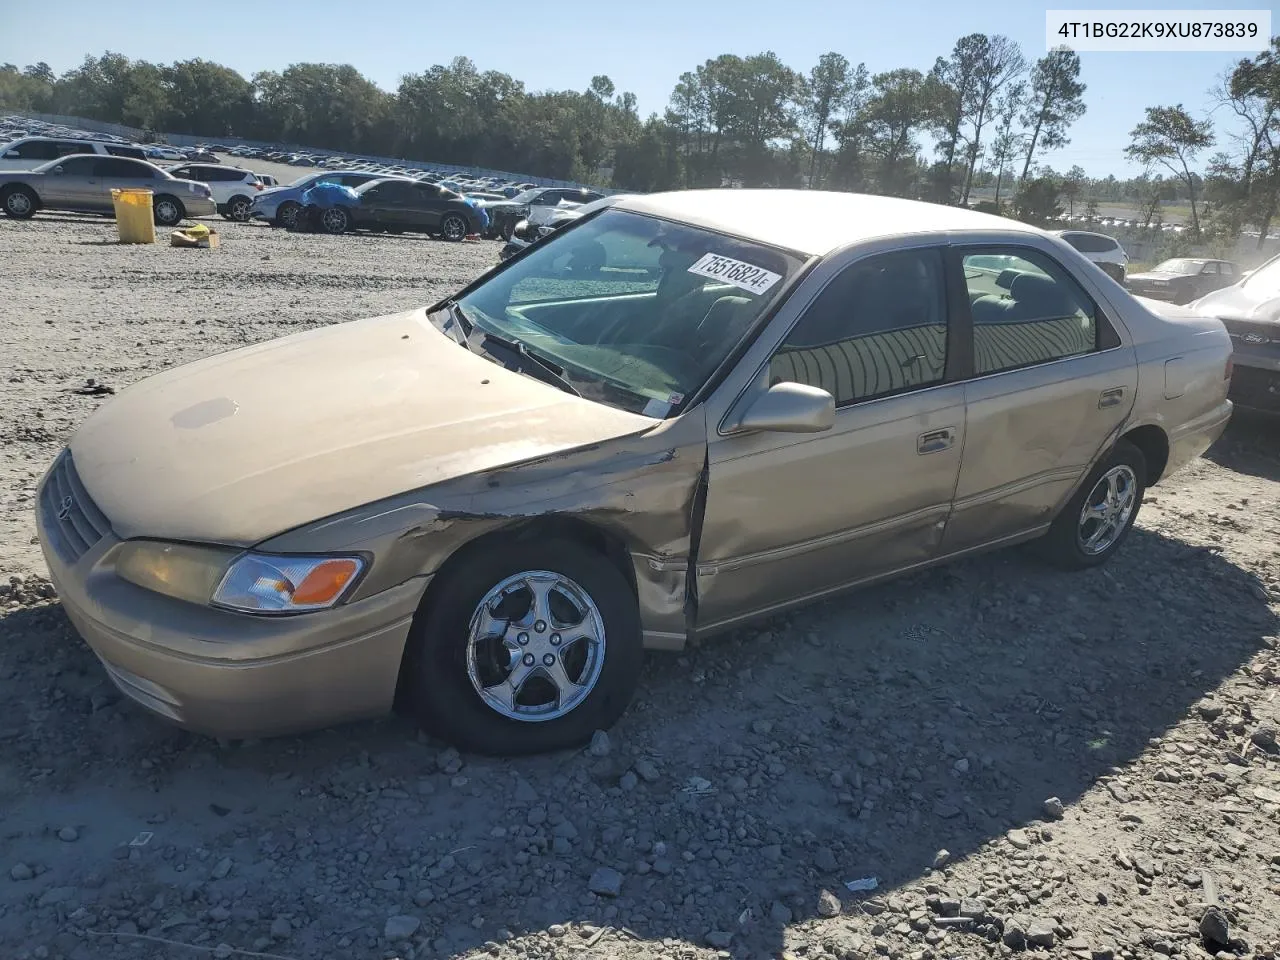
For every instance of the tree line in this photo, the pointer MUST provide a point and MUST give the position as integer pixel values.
(984, 116)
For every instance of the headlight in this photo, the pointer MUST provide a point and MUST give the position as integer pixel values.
(229, 577)
(262, 583)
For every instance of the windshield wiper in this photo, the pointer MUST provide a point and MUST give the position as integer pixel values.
(534, 364)
(462, 322)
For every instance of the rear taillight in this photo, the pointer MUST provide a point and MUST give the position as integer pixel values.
(1230, 369)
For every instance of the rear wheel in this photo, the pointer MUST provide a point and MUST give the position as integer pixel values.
(526, 647)
(1098, 518)
(238, 209)
(168, 210)
(19, 202)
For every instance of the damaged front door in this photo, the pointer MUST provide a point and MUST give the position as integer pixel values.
(791, 516)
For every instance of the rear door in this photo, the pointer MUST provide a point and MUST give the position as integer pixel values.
(118, 173)
(72, 184)
(426, 207)
(1051, 380)
(385, 204)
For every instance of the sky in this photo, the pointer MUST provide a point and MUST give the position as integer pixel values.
(642, 47)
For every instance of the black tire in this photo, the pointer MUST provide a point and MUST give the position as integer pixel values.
(238, 208)
(19, 202)
(1064, 545)
(335, 220)
(168, 210)
(287, 214)
(454, 227)
(508, 228)
(441, 692)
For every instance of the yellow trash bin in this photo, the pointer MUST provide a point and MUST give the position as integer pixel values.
(134, 219)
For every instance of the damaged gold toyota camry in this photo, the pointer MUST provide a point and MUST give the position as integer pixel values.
(674, 415)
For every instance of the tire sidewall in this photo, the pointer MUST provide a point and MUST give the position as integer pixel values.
(1063, 542)
(324, 222)
(164, 197)
(231, 208)
(31, 209)
(285, 219)
(445, 230)
(442, 693)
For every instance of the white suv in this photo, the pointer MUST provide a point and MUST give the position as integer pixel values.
(233, 187)
(27, 153)
(1105, 251)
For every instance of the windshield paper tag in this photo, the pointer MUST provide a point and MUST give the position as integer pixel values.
(741, 275)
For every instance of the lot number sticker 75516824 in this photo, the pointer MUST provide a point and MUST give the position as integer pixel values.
(742, 275)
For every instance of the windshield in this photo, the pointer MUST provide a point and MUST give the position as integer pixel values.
(1265, 281)
(1180, 265)
(638, 311)
(527, 196)
(305, 179)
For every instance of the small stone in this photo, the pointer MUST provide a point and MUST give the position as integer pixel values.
(423, 897)
(629, 781)
(68, 834)
(972, 908)
(218, 914)
(825, 860)
(223, 951)
(1264, 738)
(941, 859)
(829, 904)
(762, 727)
(20, 871)
(780, 913)
(1215, 928)
(1040, 933)
(221, 868)
(281, 928)
(1053, 808)
(1019, 839)
(605, 882)
(646, 769)
(449, 761)
(961, 765)
(537, 816)
(401, 927)
(600, 745)
(557, 930)
(1015, 934)
(719, 939)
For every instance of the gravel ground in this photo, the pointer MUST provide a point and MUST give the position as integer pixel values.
(1078, 765)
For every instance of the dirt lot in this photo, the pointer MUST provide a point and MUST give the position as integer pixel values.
(1078, 765)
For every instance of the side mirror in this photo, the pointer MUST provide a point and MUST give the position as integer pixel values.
(58, 169)
(789, 408)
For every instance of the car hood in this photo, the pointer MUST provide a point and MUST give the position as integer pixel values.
(1242, 302)
(1155, 275)
(245, 445)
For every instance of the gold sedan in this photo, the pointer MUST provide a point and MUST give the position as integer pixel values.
(674, 415)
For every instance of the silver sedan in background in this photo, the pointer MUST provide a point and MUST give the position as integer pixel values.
(83, 183)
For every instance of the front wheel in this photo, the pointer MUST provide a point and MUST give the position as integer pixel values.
(19, 202)
(335, 220)
(453, 227)
(168, 211)
(287, 214)
(1098, 518)
(527, 647)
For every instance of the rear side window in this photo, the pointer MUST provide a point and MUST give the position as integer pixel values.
(122, 151)
(39, 150)
(1028, 312)
(120, 168)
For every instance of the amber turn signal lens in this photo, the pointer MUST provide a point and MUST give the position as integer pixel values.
(326, 582)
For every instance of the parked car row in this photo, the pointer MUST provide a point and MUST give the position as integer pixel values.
(393, 204)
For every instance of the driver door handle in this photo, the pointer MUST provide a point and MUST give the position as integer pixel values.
(935, 441)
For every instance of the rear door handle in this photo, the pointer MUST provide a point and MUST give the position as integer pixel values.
(1109, 398)
(935, 440)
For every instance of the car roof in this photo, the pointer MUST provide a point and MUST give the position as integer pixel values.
(813, 222)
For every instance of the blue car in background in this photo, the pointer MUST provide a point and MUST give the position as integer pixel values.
(280, 205)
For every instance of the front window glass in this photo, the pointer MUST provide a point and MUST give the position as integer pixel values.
(637, 311)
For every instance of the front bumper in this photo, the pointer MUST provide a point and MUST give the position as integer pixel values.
(215, 671)
(1255, 387)
(1167, 294)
